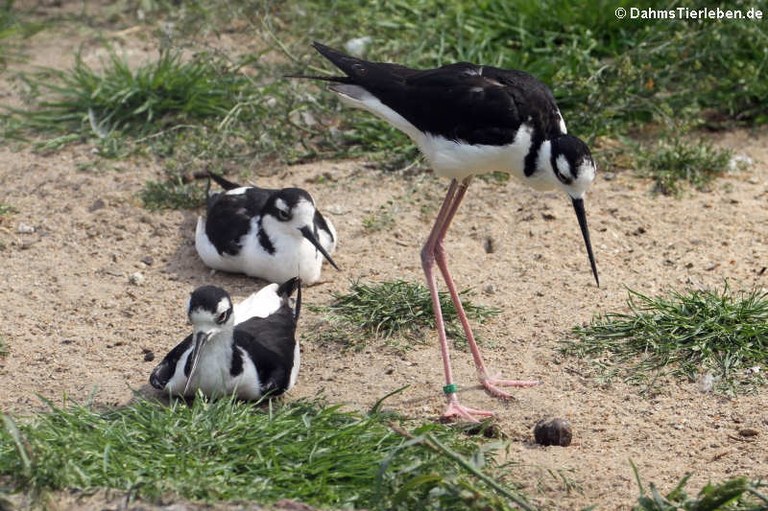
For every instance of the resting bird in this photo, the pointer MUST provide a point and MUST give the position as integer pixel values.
(248, 349)
(469, 119)
(270, 234)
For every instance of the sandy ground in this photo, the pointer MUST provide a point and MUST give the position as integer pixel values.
(75, 325)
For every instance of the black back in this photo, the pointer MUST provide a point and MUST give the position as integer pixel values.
(462, 101)
(271, 341)
(229, 217)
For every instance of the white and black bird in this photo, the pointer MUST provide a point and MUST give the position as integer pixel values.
(248, 349)
(272, 234)
(469, 119)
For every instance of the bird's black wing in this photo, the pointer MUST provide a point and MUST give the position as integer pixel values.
(165, 369)
(229, 217)
(270, 342)
(462, 101)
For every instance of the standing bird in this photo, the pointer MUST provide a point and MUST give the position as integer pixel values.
(468, 119)
(270, 234)
(248, 349)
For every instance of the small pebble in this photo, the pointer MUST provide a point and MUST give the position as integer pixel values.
(748, 432)
(489, 245)
(25, 229)
(136, 278)
(706, 382)
(148, 260)
(97, 205)
(149, 356)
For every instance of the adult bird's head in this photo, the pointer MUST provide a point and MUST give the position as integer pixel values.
(211, 313)
(292, 213)
(575, 170)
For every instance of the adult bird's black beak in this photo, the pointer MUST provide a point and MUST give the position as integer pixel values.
(198, 342)
(307, 233)
(578, 206)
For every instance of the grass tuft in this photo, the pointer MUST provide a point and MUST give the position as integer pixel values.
(737, 494)
(12, 26)
(7, 210)
(171, 194)
(671, 163)
(400, 308)
(693, 335)
(228, 450)
(117, 98)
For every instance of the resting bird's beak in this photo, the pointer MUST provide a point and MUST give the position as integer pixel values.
(307, 233)
(200, 338)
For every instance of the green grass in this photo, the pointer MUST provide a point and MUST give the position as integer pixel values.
(3, 347)
(171, 194)
(225, 450)
(398, 309)
(7, 209)
(737, 494)
(682, 334)
(672, 163)
(13, 27)
(166, 92)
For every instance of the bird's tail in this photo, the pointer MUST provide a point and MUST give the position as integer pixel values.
(341, 60)
(286, 289)
(222, 182)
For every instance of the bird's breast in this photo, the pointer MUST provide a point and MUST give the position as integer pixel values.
(458, 160)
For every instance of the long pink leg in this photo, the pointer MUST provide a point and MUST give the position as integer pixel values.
(490, 384)
(434, 252)
(443, 220)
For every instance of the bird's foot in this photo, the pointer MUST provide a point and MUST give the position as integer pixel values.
(457, 411)
(491, 385)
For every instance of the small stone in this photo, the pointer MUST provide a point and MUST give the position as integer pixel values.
(489, 245)
(136, 278)
(489, 289)
(553, 432)
(148, 260)
(748, 432)
(25, 229)
(97, 205)
(706, 382)
(149, 356)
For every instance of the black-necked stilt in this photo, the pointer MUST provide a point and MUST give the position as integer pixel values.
(468, 119)
(270, 234)
(248, 349)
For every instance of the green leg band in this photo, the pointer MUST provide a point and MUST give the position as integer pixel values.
(451, 388)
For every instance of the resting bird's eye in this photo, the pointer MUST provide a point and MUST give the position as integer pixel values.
(221, 318)
(283, 214)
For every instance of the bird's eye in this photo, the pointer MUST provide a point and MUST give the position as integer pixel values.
(283, 214)
(221, 318)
